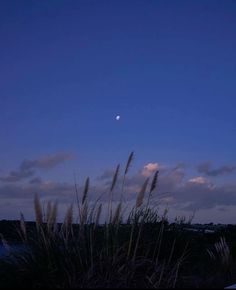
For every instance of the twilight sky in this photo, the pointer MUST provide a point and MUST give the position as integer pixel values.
(168, 68)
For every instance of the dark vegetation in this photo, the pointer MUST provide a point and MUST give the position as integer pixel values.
(142, 250)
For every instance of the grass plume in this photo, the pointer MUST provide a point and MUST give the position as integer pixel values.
(87, 254)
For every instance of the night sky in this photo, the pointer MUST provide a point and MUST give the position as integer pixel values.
(167, 68)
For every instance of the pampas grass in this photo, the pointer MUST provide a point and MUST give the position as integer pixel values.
(98, 214)
(140, 197)
(88, 254)
(154, 181)
(116, 217)
(114, 180)
(38, 210)
(22, 230)
(85, 193)
(221, 255)
(69, 216)
(115, 176)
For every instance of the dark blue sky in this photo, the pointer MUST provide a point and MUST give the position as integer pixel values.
(67, 68)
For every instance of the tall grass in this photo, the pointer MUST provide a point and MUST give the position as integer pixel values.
(221, 256)
(88, 254)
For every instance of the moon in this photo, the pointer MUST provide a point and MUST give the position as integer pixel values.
(117, 117)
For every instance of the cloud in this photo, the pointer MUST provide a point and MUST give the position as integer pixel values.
(174, 187)
(183, 196)
(27, 167)
(35, 180)
(46, 162)
(49, 189)
(17, 175)
(198, 180)
(107, 174)
(169, 178)
(145, 171)
(206, 168)
(203, 196)
(149, 168)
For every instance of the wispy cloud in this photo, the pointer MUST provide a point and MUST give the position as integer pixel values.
(27, 167)
(35, 180)
(17, 175)
(174, 188)
(46, 162)
(198, 180)
(207, 169)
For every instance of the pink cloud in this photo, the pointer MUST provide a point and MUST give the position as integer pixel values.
(198, 180)
(149, 168)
